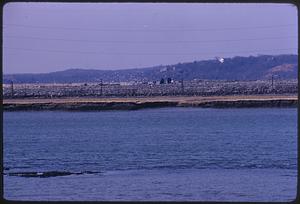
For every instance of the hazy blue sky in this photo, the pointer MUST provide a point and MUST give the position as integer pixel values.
(44, 37)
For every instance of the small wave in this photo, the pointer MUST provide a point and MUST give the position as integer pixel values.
(216, 165)
(15, 167)
(183, 166)
(47, 174)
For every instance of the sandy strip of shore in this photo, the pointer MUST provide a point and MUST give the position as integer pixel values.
(178, 99)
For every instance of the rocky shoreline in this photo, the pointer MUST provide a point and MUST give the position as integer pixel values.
(135, 105)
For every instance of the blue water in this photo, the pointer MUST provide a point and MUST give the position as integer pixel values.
(153, 154)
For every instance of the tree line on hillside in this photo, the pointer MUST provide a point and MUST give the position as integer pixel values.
(236, 68)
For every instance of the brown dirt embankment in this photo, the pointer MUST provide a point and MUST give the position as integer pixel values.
(133, 103)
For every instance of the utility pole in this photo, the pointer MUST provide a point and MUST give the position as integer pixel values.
(182, 87)
(12, 88)
(272, 80)
(25, 90)
(101, 87)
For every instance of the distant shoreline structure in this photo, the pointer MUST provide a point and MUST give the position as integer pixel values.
(136, 103)
(166, 88)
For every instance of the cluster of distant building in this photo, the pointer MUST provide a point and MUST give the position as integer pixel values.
(167, 80)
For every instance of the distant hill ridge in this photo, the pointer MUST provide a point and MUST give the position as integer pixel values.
(236, 68)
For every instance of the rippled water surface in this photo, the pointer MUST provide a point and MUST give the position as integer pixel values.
(152, 154)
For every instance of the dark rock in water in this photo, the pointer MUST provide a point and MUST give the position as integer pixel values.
(5, 168)
(41, 174)
(48, 173)
(54, 173)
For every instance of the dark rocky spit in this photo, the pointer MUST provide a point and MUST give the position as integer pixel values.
(47, 174)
